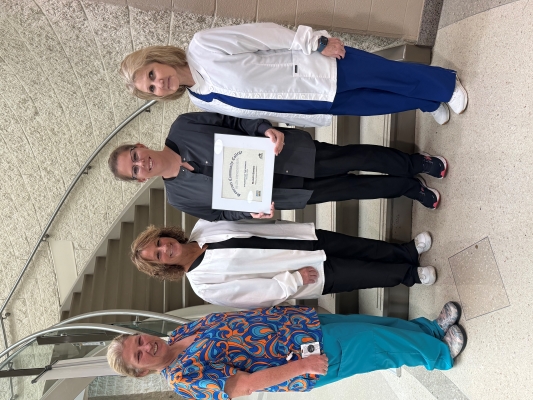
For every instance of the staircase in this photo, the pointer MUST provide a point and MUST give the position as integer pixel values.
(116, 283)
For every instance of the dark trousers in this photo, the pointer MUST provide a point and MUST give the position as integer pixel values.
(333, 183)
(358, 263)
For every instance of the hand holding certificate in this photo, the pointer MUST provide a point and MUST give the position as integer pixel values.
(243, 171)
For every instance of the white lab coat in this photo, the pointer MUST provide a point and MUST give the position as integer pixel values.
(262, 61)
(251, 278)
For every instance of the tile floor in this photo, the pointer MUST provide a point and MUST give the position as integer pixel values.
(484, 204)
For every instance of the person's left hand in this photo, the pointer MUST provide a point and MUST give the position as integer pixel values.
(278, 138)
(309, 275)
(335, 48)
(262, 215)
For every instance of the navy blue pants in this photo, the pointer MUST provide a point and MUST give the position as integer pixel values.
(372, 85)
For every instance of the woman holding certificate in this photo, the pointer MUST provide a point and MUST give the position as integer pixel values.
(301, 78)
(305, 171)
(261, 265)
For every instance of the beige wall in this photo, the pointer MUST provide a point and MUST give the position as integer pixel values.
(389, 18)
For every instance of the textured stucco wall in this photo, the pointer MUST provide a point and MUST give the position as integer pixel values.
(60, 95)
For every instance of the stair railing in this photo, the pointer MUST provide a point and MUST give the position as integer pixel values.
(43, 236)
(102, 313)
(67, 325)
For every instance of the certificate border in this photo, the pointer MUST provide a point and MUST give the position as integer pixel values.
(243, 142)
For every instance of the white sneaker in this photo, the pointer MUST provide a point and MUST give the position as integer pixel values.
(459, 99)
(423, 242)
(441, 114)
(427, 275)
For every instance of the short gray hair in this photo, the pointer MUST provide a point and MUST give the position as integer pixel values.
(115, 357)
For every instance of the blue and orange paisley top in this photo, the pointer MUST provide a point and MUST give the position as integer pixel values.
(241, 341)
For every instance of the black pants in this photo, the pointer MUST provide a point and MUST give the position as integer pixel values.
(358, 263)
(332, 181)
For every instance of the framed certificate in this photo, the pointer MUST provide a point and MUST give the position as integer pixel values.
(243, 171)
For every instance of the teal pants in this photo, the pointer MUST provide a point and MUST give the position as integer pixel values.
(356, 344)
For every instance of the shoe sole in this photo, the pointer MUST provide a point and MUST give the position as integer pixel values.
(435, 191)
(465, 340)
(444, 161)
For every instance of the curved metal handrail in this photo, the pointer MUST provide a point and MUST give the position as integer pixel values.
(62, 201)
(101, 327)
(23, 343)
(140, 313)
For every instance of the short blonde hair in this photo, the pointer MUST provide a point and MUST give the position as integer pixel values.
(168, 55)
(155, 269)
(115, 357)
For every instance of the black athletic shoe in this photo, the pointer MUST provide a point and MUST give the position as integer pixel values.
(435, 166)
(429, 197)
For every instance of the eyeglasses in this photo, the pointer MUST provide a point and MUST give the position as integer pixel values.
(134, 158)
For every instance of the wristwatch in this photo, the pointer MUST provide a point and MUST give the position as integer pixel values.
(322, 43)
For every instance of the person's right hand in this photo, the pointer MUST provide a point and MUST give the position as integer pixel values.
(315, 364)
(309, 275)
(278, 138)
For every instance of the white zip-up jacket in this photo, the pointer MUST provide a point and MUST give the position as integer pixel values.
(251, 278)
(262, 61)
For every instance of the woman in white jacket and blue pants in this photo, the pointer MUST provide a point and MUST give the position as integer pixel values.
(301, 78)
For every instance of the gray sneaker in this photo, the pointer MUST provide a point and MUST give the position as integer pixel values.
(455, 339)
(449, 315)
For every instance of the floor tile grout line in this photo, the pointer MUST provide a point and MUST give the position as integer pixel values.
(499, 272)
(487, 313)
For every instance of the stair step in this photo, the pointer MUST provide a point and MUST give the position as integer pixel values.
(112, 275)
(86, 294)
(188, 223)
(157, 207)
(75, 305)
(174, 300)
(141, 219)
(126, 267)
(98, 288)
(174, 297)
(140, 280)
(154, 294)
(64, 315)
(173, 216)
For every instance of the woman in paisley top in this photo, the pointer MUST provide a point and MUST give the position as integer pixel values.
(227, 355)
